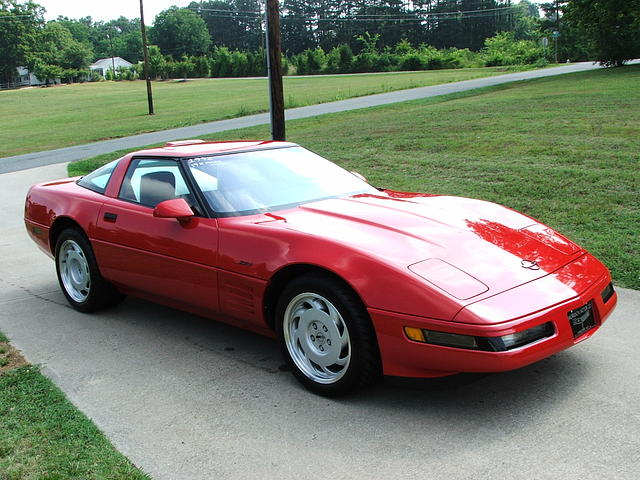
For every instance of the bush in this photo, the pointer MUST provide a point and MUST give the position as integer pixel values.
(220, 62)
(310, 62)
(504, 49)
(339, 59)
(239, 64)
(94, 76)
(412, 61)
(365, 62)
(200, 67)
(224, 63)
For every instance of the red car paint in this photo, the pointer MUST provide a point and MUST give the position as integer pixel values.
(435, 262)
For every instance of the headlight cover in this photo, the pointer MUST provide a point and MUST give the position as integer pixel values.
(488, 344)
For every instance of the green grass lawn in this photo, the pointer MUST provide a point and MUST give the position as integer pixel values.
(563, 149)
(43, 436)
(39, 119)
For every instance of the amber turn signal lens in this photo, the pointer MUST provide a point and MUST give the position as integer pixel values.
(414, 334)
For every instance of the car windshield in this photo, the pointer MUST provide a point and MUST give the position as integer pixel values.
(266, 180)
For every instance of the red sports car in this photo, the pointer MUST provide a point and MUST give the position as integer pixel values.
(354, 281)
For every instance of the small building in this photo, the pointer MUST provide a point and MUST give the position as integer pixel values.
(104, 64)
(25, 78)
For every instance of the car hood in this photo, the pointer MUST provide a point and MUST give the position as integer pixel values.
(468, 248)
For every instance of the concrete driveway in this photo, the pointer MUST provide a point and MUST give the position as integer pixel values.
(186, 398)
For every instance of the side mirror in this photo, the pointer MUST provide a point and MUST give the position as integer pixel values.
(176, 208)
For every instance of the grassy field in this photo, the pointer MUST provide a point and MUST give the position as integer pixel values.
(43, 436)
(39, 119)
(564, 150)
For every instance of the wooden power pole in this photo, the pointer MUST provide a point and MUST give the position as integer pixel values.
(146, 59)
(274, 68)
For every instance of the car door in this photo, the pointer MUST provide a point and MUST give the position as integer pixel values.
(160, 258)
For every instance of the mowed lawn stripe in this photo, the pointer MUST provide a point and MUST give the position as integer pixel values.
(40, 119)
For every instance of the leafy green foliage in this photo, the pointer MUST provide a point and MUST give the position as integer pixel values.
(504, 49)
(180, 31)
(613, 26)
(239, 29)
(59, 54)
(19, 26)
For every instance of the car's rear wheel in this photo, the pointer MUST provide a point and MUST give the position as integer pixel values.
(326, 336)
(78, 274)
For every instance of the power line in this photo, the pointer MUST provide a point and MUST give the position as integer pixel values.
(408, 12)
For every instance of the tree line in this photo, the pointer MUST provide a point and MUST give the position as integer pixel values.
(225, 37)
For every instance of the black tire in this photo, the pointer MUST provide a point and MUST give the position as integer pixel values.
(79, 276)
(335, 309)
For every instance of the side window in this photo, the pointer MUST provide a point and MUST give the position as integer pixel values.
(151, 181)
(98, 179)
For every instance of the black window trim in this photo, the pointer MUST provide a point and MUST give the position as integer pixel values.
(106, 186)
(204, 211)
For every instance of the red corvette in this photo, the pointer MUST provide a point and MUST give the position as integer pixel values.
(354, 281)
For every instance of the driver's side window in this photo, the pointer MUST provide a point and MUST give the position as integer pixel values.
(151, 181)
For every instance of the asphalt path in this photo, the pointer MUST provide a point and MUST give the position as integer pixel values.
(70, 154)
(188, 398)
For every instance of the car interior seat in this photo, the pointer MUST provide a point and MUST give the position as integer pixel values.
(156, 187)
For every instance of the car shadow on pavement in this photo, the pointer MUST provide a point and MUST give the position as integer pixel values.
(535, 388)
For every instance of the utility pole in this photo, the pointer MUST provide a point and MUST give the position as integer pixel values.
(274, 68)
(556, 34)
(146, 59)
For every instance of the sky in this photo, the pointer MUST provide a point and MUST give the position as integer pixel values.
(111, 9)
(107, 9)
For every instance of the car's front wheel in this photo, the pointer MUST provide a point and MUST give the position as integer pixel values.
(78, 274)
(326, 336)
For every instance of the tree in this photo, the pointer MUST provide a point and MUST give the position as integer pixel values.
(236, 24)
(19, 24)
(180, 31)
(526, 25)
(612, 25)
(58, 54)
(157, 63)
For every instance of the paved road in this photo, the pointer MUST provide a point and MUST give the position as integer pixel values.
(70, 154)
(186, 398)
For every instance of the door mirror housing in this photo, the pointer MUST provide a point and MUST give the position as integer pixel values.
(176, 208)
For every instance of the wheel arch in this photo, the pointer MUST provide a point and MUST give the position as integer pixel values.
(282, 277)
(59, 225)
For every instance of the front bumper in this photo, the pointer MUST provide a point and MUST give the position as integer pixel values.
(406, 358)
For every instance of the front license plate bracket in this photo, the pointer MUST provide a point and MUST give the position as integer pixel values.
(582, 319)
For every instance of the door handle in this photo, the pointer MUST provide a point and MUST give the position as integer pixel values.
(110, 217)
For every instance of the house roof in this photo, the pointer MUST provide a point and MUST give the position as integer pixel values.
(107, 63)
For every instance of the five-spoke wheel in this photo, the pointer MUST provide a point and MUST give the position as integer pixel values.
(78, 274)
(326, 335)
(74, 271)
(317, 338)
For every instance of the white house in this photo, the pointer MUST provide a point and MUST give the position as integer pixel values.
(104, 64)
(25, 77)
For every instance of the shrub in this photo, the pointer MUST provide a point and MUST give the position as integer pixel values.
(364, 62)
(504, 49)
(412, 61)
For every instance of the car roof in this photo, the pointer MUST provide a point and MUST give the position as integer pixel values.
(192, 148)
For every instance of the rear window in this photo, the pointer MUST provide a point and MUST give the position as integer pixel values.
(98, 179)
